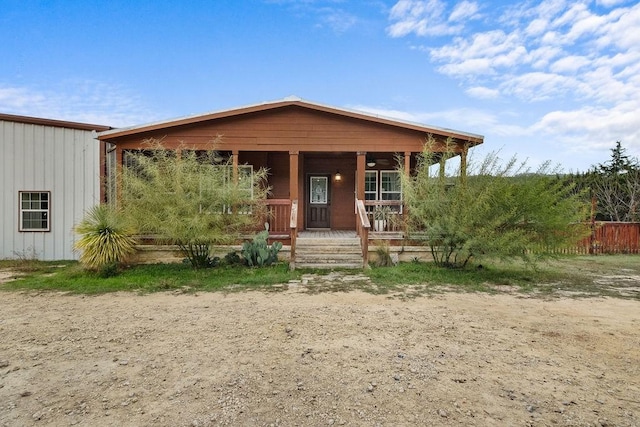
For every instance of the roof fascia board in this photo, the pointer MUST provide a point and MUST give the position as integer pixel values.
(52, 122)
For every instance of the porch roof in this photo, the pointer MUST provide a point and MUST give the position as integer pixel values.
(470, 138)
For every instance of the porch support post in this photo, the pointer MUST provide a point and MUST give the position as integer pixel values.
(234, 172)
(463, 164)
(407, 175)
(293, 174)
(361, 167)
(407, 163)
(441, 170)
(118, 178)
(294, 220)
(234, 159)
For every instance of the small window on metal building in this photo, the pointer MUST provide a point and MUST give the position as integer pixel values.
(35, 208)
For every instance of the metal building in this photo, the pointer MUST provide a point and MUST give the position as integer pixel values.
(49, 176)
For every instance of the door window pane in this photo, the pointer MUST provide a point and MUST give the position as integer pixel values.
(319, 187)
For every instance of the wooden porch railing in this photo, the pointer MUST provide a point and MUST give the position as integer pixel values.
(278, 212)
(385, 215)
(362, 227)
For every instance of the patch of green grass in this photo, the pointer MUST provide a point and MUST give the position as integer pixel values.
(580, 276)
(617, 276)
(152, 278)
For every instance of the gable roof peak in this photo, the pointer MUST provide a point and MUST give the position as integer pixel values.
(287, 102)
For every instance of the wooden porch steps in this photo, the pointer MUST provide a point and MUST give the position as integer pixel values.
(328, 250)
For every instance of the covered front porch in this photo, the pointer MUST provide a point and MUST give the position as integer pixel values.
(332, 193)
(326, 186)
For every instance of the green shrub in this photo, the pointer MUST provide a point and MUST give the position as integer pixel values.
(232, 258)
(500, 210)
(105, 239)
(258, 253)
(383, 253)
(191, 200)
(108, 270)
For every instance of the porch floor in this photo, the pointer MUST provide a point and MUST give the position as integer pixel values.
(327, 234)
(340, 234)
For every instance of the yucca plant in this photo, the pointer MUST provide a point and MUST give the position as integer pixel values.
(105, 238)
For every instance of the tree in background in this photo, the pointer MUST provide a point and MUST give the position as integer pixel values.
(498, 211)
(615, 186)
(192, 199)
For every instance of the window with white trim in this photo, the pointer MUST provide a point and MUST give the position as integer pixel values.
(245, 185)
(391, 188)
(35, 208)
(371, 185)
(390, 185)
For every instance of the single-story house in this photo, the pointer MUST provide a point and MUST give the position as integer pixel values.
(49, 176)
(329, 168)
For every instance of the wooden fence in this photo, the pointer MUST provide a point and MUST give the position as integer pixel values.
(612, 238)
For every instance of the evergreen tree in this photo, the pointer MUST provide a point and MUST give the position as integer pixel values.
(615, 186)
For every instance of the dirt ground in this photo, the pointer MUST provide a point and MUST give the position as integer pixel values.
(291, 358)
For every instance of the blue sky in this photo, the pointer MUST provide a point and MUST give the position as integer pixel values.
(547, 80)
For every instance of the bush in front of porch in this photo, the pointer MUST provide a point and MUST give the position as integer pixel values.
(192, 198)
(500, 210)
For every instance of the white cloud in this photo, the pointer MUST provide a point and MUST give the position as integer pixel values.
(579, 55)
(482, 92)
(539, 86)
(338, 20)
(555, 49)
(594, 127)
(78, 101)
(463, 10)
(621, 29)
(609, 3)
(326, 13)
(536, 27)
(482, 54)
(423, 18)
(569, 64)
(19, 99)
(475, 120)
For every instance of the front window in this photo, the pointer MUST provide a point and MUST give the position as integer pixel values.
(371, 185)
(390, 185)
(35, 207)
(245, 186)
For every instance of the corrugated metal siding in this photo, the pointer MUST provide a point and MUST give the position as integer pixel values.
(61, 160)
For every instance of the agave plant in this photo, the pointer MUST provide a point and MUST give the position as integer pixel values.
(105, 238)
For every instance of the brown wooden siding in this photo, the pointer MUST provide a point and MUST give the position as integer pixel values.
(278, 165)
(290, 129)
